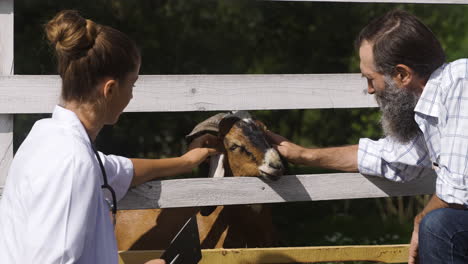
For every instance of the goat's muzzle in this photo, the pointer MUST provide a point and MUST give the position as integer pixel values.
(272, 167)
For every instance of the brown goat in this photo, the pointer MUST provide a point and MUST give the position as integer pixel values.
(235, 226)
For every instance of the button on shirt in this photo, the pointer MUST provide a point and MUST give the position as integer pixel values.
(441, 148)
(53, 209)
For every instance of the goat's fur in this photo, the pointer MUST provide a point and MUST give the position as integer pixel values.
(222, 226)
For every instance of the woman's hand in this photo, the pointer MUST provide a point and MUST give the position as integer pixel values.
(197, 155)
(150, 169)
(205, 141)
(292, 152)
(201, 148)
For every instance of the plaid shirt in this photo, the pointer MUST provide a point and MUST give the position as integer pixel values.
(441, 148)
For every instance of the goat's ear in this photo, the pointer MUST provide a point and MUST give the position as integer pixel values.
(260, 125)
(226, 124)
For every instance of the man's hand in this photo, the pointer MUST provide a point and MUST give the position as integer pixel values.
(335, 158)
(434, 203)
(413, 250)
(292, 152)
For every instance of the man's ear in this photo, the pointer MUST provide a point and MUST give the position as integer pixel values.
(403, 75)
(109, 88)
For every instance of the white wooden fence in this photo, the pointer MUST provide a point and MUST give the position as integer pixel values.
(6, 69)
(38, 94)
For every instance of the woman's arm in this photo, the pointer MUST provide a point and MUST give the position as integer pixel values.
(149, 169)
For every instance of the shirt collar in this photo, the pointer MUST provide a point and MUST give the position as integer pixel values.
(428, 103)
(69, 118)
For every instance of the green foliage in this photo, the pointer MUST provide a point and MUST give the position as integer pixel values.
(255, 37)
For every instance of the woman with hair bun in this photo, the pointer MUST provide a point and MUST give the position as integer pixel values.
(55, 205)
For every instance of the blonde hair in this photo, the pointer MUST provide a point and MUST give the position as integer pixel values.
(87, 52)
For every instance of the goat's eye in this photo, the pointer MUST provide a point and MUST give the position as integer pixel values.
(247, 152)
(233, 147)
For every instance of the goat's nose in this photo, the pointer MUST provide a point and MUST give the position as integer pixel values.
(276, 166)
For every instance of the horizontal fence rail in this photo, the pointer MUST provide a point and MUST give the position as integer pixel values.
(252, 190)
(157, 93)
(386, 254)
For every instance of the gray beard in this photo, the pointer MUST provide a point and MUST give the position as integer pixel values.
(397, 106)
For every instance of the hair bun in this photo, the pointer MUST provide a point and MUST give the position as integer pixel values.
(71, 34)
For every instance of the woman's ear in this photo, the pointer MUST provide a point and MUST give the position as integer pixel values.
(109, 88)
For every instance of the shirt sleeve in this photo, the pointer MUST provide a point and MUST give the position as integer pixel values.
(119, 172)
(393, 160)
(452, 118)
(63, 211)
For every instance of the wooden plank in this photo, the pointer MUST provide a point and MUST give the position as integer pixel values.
(39, 93)
(386, 254)
(388, 1)
(6, 147)
(6, 68)
(252, 190)
(6, 37)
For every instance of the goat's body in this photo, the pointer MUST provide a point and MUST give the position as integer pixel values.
(235, 226)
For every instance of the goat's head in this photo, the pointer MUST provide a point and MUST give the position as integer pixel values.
(247, 150)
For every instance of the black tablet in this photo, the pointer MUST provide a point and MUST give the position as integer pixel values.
(185, 247)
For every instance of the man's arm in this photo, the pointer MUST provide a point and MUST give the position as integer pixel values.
(433, 204)
(336, 158)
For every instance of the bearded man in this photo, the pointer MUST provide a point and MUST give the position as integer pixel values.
(424, 104)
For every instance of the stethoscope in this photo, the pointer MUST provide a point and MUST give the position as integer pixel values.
(113, 205)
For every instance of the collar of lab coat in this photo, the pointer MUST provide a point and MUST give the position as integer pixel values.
(70, 119)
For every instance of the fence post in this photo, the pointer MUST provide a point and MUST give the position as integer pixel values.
(6, 68)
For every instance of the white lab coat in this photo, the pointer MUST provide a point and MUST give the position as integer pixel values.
(53, 209)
